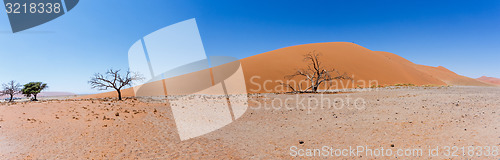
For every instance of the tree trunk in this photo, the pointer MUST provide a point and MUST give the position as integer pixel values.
(119, 94)
(315, 88)
(11, 97)
(35, 97)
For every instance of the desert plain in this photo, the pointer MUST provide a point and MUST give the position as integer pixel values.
(390, 118)
(412, 112)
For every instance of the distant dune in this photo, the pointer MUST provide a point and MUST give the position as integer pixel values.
(491, 80)
(44, 94)
(129, 92)
(56, 94)
(269, 69)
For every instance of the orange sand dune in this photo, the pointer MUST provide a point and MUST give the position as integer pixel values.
(359, 62)
(264, 72)
(441, 73)
(491, 80)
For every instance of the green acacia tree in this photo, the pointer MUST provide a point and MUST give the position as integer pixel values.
(33, 88)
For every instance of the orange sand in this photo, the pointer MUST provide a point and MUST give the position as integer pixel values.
(358, 62)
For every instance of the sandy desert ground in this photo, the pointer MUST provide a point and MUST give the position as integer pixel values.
(404, 118)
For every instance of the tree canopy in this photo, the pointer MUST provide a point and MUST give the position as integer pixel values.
(33, 88)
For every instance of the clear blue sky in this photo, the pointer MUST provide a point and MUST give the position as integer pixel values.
(463, 36)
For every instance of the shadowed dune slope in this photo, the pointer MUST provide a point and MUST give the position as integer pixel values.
(449, 77)
(491, 80)
(440, 72)
(265, 72)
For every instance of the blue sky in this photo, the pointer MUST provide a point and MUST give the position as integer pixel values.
(463, 36)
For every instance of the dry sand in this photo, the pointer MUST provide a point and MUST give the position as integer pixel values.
(131, 129)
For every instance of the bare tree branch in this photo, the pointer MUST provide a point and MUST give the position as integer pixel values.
(11, 88)
(315, 73)
(113, 79)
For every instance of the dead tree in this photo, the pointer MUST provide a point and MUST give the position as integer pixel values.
(11, 88)
(113, 79)
(315, 73)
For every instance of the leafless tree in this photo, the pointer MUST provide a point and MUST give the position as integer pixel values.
(11, 88)
(113, 79)
(315, 73)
